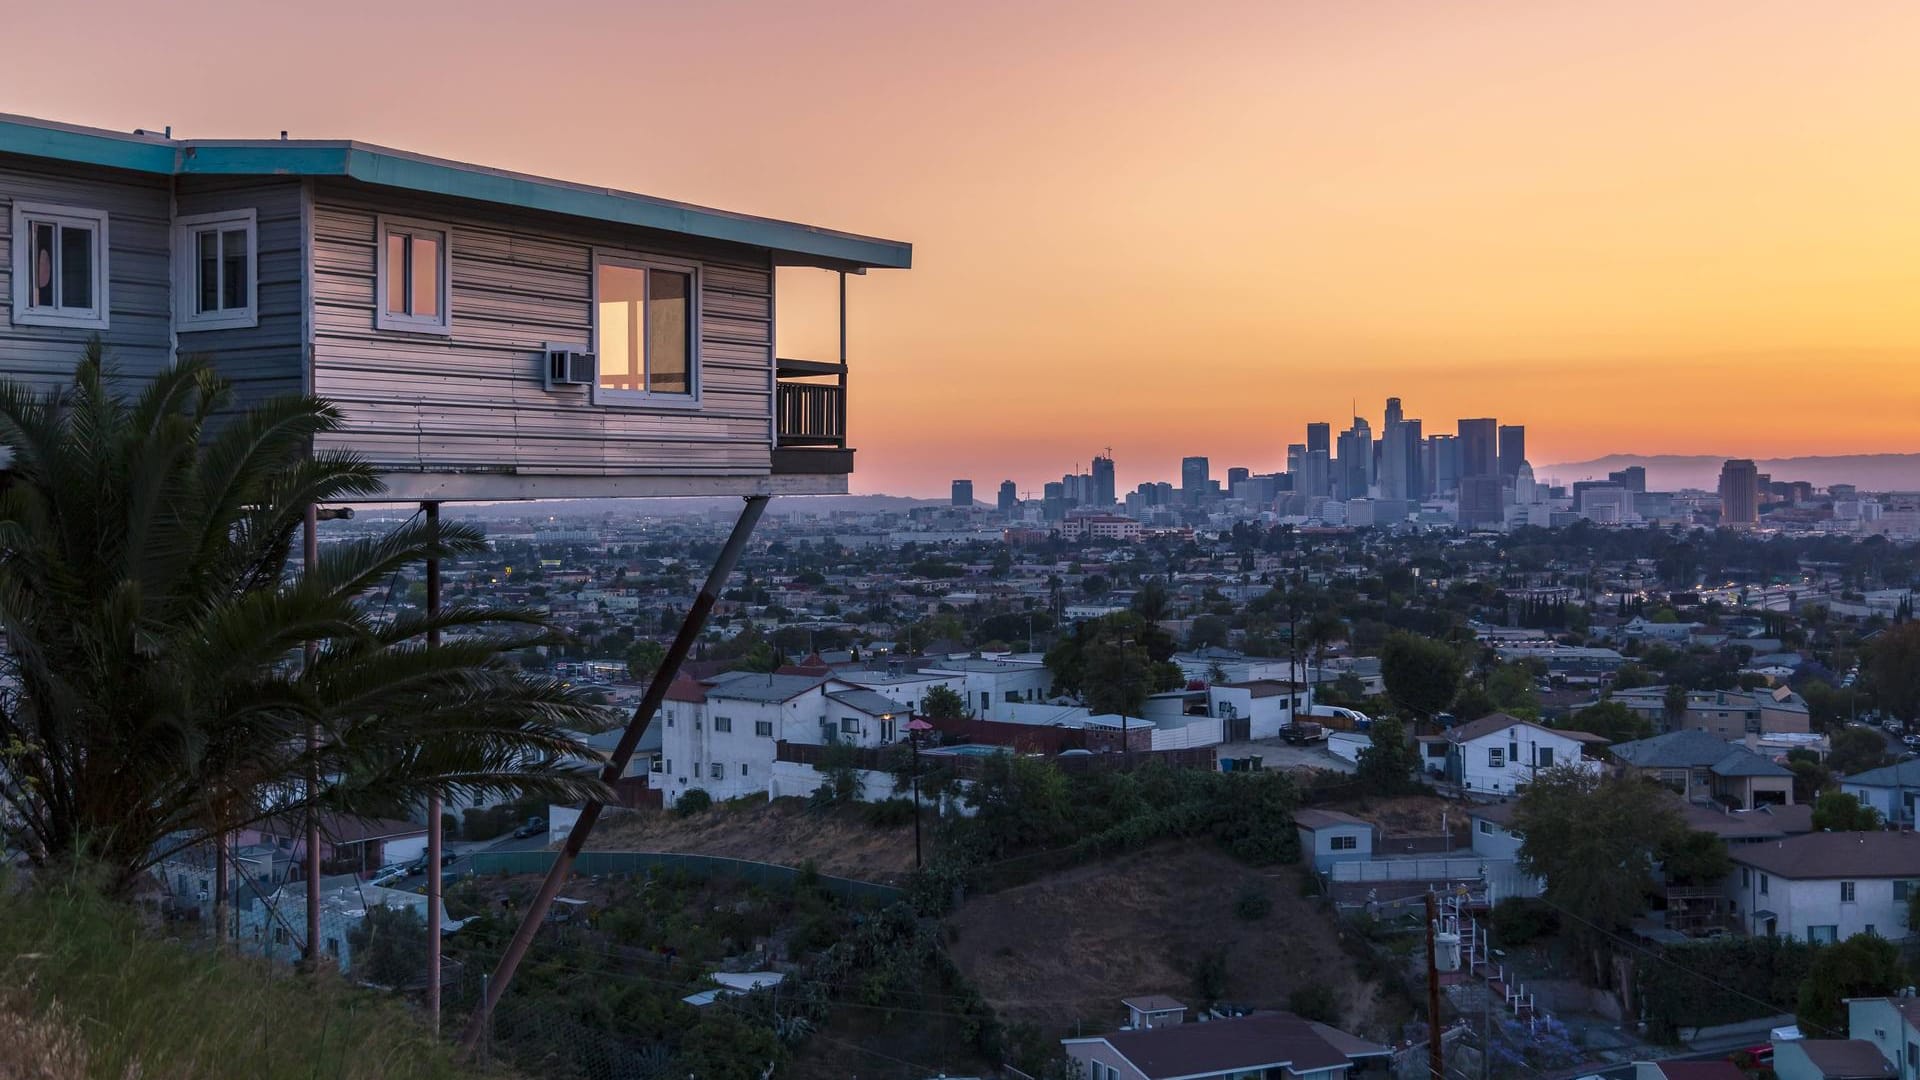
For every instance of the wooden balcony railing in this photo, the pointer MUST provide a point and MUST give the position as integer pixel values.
(810, 413)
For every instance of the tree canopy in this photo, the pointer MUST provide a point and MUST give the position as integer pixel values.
(1422, 675)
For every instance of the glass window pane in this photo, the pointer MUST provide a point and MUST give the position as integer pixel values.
(396, 273)
(76, 267)
(233, 281)
(425, 271)
(668, 354)
(207, 242)
(617, 337)
(42, 265)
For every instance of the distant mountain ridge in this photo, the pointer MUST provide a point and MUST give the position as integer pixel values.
(1671, 472)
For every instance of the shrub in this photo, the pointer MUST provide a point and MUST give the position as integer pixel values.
(692, 802)
(1315, 1001)
(1210, 976)
(1518, 921)
(889, 813)
(1254, 904)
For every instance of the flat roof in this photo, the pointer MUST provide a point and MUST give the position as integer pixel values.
(383, 166)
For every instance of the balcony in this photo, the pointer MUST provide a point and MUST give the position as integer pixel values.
(810, 418)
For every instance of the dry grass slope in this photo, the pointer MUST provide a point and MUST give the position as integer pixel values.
(1066, 948)
(785, 831)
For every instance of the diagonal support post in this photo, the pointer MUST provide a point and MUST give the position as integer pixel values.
(691, 628)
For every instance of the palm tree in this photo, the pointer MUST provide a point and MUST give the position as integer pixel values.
(155, 696)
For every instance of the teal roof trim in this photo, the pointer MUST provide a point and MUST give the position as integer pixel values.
(411, 172)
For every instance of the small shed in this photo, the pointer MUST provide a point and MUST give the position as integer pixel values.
(1330, 836)
(1153, 1010)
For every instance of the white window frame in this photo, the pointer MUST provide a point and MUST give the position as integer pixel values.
(186, 272)
(1496, 757)
(647, 398)
(93, 318)
(383, 319)
(723, 724)
(763, 729)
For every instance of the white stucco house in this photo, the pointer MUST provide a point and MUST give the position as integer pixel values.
(1331, 836)
(1825, 886)
(1497, 754)
(1892, 1025)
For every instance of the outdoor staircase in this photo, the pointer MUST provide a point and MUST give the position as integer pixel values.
(1477, 960)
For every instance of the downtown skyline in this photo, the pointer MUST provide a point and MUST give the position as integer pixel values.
(1645, 228)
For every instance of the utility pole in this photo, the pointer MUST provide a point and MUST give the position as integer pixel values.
(1436, 1052)
(435, 892)
(913, 737)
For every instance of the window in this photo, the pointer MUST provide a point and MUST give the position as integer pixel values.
(414, 277)
(59, 266)
(1913, 1055)
(643, 332)
(849, 726)
(1846, 892)
(763, 728)
(1486, 828)
(1822, 935)
(723, 723)
(1746, 877)
(1544, 754)
(986, 701)
(1343, 843)
(1902, 890)
(1763, 884)
(743, 768)
(718, 771)
(1496, 758)
(213, 281)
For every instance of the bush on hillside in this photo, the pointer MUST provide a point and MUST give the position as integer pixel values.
(692, 801)
(1315, 1001)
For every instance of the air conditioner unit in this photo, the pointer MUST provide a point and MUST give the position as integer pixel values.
(571, 367)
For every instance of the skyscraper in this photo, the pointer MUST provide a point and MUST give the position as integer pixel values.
(1009, 497)
(1479, 474)
(1194, 474)
(1235, 475)
(1513, 450)
(1316, 474)
(1353, 473)
(1739, 492)
(1320, 437)
(1393, 415)
(1296, 455)
(1416, 475)
(1393, 454)
(1633, 478)
(1103, 491)
(1444, 474)
(963, 493)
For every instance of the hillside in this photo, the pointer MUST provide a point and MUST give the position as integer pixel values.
(1671, 472)
(89, 994)
(1066, 948)
(839, 841)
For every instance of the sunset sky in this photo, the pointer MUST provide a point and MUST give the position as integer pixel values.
(1186, 227)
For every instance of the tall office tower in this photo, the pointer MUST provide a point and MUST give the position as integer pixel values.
(1296, 453)
(1513, 450)
(1194, 474)
(1053, 501)
(1410, 443)
(1103, 490)
(1320, 437)
(1480, 502)
(1235, 475)
(1739, 492)
(963, 493)
(1393, 454)
(1443, 475)
(1353, 473)
(1633, 478)
(1009, 497)
(1316, 474)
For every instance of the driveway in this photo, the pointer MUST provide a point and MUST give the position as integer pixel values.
(1275, 754)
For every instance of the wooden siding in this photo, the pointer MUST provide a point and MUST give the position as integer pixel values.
(140, 314)
(269, 359)
(475, 402)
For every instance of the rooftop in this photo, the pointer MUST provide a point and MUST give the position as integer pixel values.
(1821, 855)
(402, 170)
(1266, 1040)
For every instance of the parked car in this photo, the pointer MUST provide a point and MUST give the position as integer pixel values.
(1912, 741)
(419, 865)
(534, 826)
(388, 875)
(1302, 733)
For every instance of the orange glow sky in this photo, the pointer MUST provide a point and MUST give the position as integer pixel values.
(1185, 227)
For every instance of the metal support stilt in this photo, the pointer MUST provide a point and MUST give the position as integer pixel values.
(434, 890)
(690, 629)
